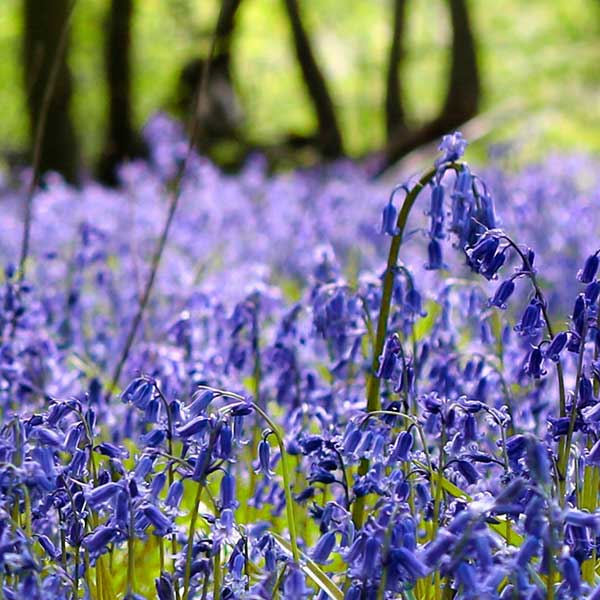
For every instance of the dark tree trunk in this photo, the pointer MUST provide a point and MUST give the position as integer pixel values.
(462, 96)
(122, 141)
(226, 27)
(329, 135)
(44, 25)
(395, 117)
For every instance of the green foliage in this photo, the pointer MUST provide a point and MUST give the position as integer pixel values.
(539, 66)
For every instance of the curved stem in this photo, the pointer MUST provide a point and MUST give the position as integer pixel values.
(171, 478)
(374, 383)
(190, 542)
(289, 506)
(540, 296)
(563, 460)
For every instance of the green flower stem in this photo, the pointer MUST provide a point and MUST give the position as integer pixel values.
(217, 574)
(564, 447)
(190, 543)
(373, 400)
(130, 553)
(285, 469)
(287, 484)
(563, 459)
(194, 520)
(591, 483)
(374, 383)
(171, 478)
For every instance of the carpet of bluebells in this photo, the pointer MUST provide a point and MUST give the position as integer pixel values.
(337, 389)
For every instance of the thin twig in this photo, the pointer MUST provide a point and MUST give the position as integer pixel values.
(174, 201)
(38, 140)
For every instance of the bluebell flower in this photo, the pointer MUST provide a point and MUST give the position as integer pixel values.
(590, 268)
(139, 393)
(516, 446)
(224, 442)
(112, 450)
(467, 579)
(320, 475)
(538, 461)
(144, 466)
(593, 456)
(572, 573)
(162, 524)
(121, 514)
(436, 549)
(411, 567)
(164, 587)
(592, 291)
(531, 322)
(533, 366)
(97, 542)
(305, 495)
(157, 484)
(48, 546)
(436, 260)
(490, 269)
(264, 459)
(529, 549)
(294, 586)
(175, 494)
(389, 357)
(200, 402)
(483, 252)
(592, 413)
(502, 294)
(324, 547)
(154, 438)
(586, 393)
(389, 218)
(47, 436)
(228, 492)
(453, 147)
(194, 427)
(583, 519)
(403, 446)
(468, 471)
(102, 494)
(556, 346)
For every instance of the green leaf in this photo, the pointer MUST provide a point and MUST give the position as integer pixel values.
(424, 326)
(312, 571)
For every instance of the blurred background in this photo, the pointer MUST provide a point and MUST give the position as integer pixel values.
(298, 80)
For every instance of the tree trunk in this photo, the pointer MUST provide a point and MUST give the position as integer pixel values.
(464, 89)
(226, 27)
(44, 25)
(395, 117)
(122, 141)
(462, 96)
(329, 135)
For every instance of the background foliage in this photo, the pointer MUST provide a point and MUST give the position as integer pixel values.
(538, 62)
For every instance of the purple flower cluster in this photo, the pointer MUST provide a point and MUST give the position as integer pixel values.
(259, 445)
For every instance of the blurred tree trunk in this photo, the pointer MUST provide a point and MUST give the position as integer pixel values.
(395, 117)
(218, 113)
(44, 25)
(329, 135)
(462, 95)
(122, 141)
(226, 27)
(464, 89)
